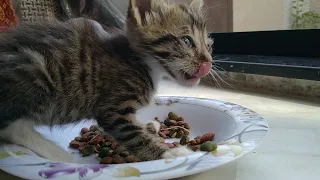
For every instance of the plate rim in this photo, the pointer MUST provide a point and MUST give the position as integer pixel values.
(191, 172)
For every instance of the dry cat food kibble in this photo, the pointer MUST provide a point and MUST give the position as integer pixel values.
(173, 127)
(203, 141)
(94, 141)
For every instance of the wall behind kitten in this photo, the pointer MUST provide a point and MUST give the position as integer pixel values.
(219, 14)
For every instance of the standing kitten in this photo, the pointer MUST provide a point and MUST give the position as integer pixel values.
(61, 73)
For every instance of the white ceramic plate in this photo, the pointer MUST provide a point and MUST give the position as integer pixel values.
(238, 130)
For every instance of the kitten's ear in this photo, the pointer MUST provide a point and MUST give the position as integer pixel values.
(138, 9)
(197, 5)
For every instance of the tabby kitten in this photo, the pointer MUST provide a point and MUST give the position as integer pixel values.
(59, 73)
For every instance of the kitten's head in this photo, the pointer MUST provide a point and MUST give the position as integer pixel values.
(174, 35)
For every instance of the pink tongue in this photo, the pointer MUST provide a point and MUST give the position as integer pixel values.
(204, 69)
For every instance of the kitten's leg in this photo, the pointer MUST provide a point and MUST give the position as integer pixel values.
(153, 127)
(22, 132)
(122, 126)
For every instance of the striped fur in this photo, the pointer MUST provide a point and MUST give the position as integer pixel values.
(60, 73)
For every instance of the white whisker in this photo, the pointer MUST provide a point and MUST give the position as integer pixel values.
(215, 80)
(221, 79)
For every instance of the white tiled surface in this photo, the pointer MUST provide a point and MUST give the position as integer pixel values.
(291, 149)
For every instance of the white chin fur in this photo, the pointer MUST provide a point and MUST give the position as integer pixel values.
(187, 83)
(158, 73)
(191, 84)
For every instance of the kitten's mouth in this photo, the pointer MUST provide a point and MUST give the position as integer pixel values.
(188, 76)
(203, 70)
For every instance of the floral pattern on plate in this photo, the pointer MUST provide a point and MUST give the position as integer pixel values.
(245, 131)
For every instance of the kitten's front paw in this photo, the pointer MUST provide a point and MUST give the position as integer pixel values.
(174, 152)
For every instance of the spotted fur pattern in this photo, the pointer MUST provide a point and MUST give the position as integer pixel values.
(59, 73)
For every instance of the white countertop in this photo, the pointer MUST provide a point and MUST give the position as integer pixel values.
(291, 149)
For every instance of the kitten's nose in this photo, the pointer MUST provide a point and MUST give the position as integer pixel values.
(205, 57)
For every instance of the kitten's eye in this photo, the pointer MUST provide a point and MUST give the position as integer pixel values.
(188, 41)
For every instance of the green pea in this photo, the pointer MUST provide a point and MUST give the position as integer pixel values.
(104, 151)
(167, 122)
(208, 146)
(106, 144)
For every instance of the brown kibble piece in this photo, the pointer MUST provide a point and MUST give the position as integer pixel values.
(207, 137)
(118, 159)
(78, 138)
(180, 133)
(75, 144)
(163, 126)
(119, 149)
(116, 156)
(94, 128)
(90, 137)
(124, 154)
(173, 122)
(173, 116)
(109, 139)
(162, 135)
(166, 132)
(195, 147)
(187, 126)
(95, 140)
(84, 131)
(110, 152)
(86, 135)
(114, 145)
(130, 159)
(180, 123)
(193, 142)
(198, 137)
(180, 119)
(83, 139)
(198, 141)
(106, 160)
(186, 132)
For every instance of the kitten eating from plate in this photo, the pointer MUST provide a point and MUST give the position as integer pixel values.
(62, 72)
